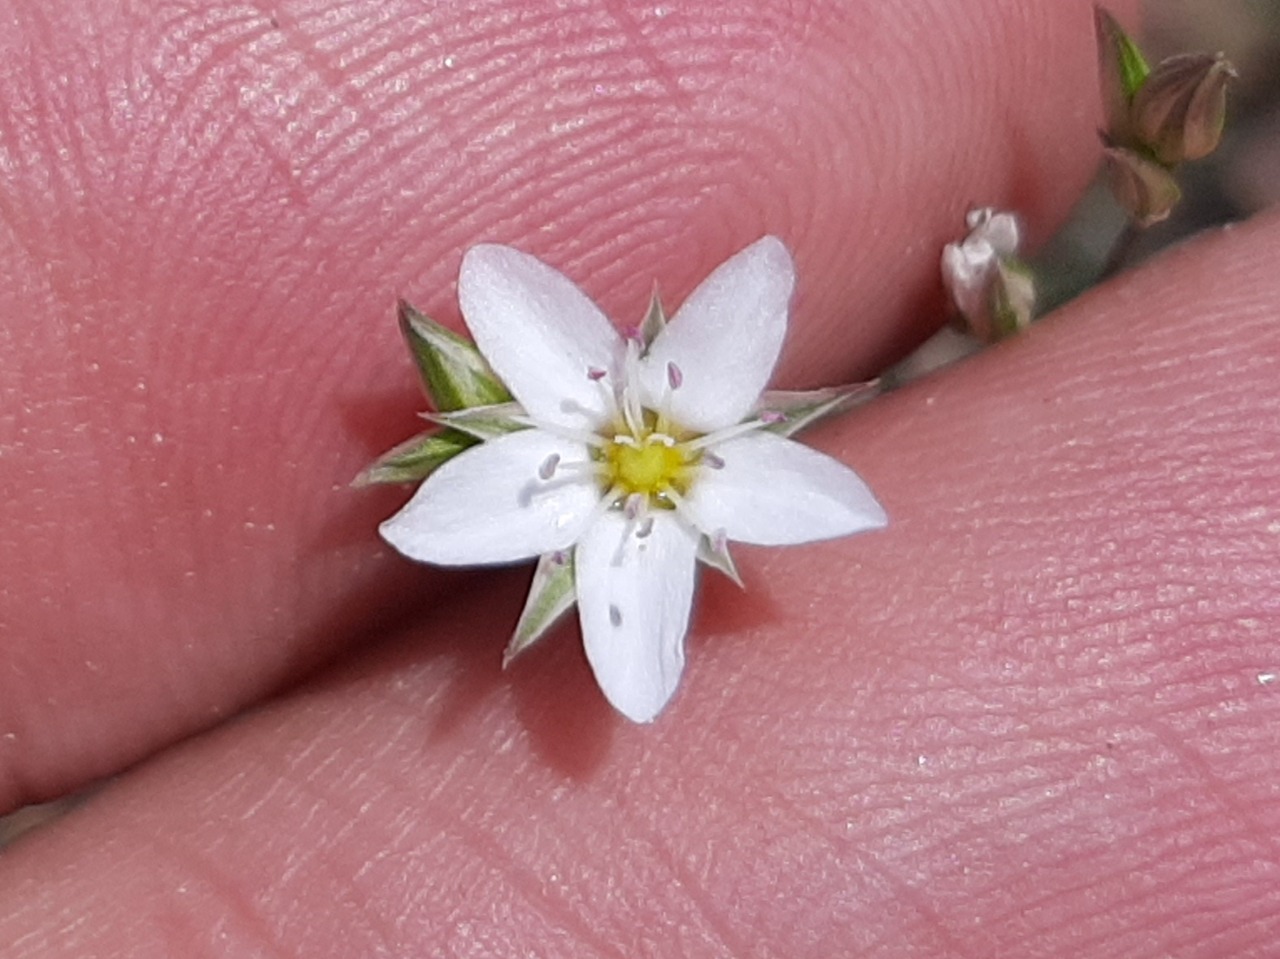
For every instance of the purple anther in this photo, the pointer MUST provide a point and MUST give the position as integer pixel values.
(772, 416)
(631, 509)
(559, 557)
(548, 467)
(715, 462)
(634, 333)
(595, 374)
(645, 528)
(674, 376)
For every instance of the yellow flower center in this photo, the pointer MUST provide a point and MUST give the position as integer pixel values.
(649, 465)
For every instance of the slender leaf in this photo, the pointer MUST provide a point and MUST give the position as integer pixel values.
(803, 409)
(551, 595)
(416, 459)
(454, 373)
(483, 422)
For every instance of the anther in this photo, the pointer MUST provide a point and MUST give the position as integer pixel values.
(548, 467)
(773, 416)
(645, 528)
(595, 374)
(674, 376)
(712, 460)
(634, 504)
(560, 558)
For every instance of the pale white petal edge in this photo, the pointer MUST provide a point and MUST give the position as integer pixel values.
(487, 505)
(634, 598)
(541, 334)
(774, 492)
(725, 340)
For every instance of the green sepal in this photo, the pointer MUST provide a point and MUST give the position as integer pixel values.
(654, 322)
(715, 554)
(1181, 110)
(416, 459)
(551, 595)
(1144, 188)
(804, 408)
(1013, 298)
(454, 373)
(1122, 70)
(483, 422)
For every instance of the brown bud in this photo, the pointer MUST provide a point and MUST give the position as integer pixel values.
(1121, 72)
(1179, 111)
(1143, 188)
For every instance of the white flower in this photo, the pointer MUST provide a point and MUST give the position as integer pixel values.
(638, 460)
(993, 293)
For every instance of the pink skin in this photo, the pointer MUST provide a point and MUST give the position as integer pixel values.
(1025, 720)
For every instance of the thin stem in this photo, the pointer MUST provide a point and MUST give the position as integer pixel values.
(1121, 250)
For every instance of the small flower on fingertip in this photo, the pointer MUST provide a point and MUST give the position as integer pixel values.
(633, 458)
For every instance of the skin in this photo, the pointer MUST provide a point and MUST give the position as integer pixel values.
(1027, 719)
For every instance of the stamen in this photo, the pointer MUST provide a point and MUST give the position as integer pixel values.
(585, 437)
(615, 615)
(712, 460)
(719, 436)
(646, 527)
(604, 504)
(584, 468)
(770, 417)
(676, 500)
(634, 506)
(554, 475)
(674, 376)
(560, 557)
(595, 374)
(629, 401)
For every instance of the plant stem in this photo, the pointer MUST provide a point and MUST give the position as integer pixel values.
(1121, 250)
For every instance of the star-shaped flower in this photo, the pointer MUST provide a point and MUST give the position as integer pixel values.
(628, 460)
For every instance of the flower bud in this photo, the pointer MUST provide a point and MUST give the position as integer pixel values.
(1144, 189)
(993, 291)
(1180, 110)
(1121, 73)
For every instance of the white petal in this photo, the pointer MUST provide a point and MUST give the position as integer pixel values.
(540, 333)
(634, 596)
(488, 505)
(967, 269)
(724, 339)
(773, 491)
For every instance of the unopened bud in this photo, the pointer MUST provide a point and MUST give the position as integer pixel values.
(1144, 189)
(1122, 71)
(993, 291)
(1180, 111)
